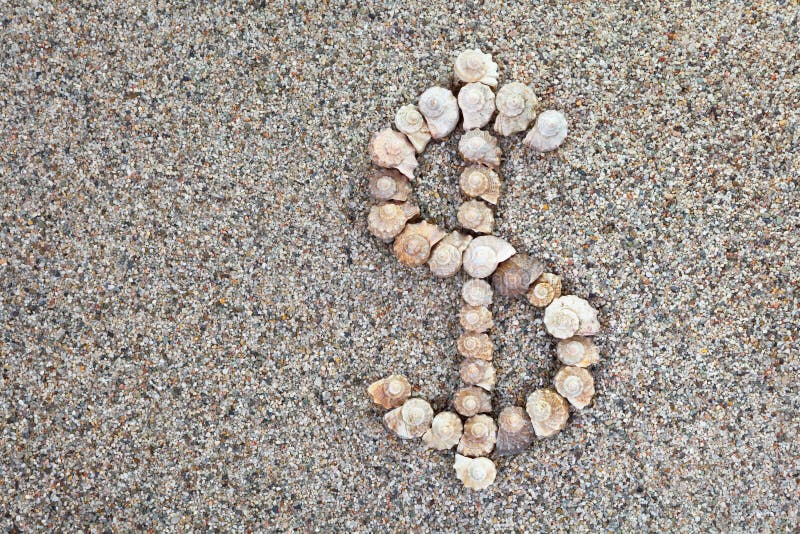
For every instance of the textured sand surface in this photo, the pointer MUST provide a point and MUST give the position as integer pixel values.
(192, 307)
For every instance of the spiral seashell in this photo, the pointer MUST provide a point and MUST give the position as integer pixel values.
(413, 246)
(475, 66)
(476, 216)
(472, 400)
(479, 436)
(475, 318)
(411, 420)
(390, 392)
(478, 146)
(546, 288)
(548, 133)
(482, 182)
(515, 431)
(446, 256)
(410, 121)
(483, 255)
(577, 351)
(548, 412)
(515, 102)
(387, 220)
(569, 315)
(440, 109)
(445, 431)
(513, 277)
(475, 473)
(472, 345)
(477, 292)
(389, 185)
(479, 373)
(477, 105)
(392, 150)
(576, 385)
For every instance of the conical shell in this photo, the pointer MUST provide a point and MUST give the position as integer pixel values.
(548, 133)
(576, 385)
(388, 184)
(390, 392)
(569, 315)
(392, 150)
(476, 101)
(477, 292)
(475, 66)
(476, 372)
(387, 220)
(546, 288)
(472, 345)
(482, 182)
(483, 255)
(515, 431)
(478, 437)
(548, 412)
(513, 277)
(475, 318)
(578, 351)
(445, 431)
(475, 473)
(413, 246)
(440, 109)
(411, 420)
(515, 104)
(472, 400)
(446, 256)
(478, 146)
(476, 216)
(410, 121)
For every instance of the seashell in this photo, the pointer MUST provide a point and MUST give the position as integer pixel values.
(387, 220)
(445, 431)
(515, 103)
(410, 121)
(478, 146)
(476, 216)
(477, 292)
(411, 420)
(483, 255)
(576, 385)
(476, 101)
(392, 150)
(515, 432)
(577, 351)
(548, 411)
(446, 256)
(413, 246)
(440, 109)
(390, 392)
(472, 345)
(472, 400)
(570, 315)
(475, 66)
(546, 288)
(548, 133)
(479, 436)
(483, 182)
(475, 473)
(513, 277)
(389, 185)
(475, 318)
(479, 373)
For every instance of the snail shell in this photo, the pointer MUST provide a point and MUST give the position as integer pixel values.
(483, 182)
(440, 109)
(478, 146)
(577, 351)
(483, 255)
(576, 385)
(392, 150)
(389, 185)
(445, 431)
(472, 400)
(475, 473)
(513, 277)
(387, 220)
(476, 101)
(390, 392)
(472, 345)
(548, 412)
(479, 373)
(475, 318)
(570, 315)
(515, 103)
(479, 436)
(411, 420)
(446, 256)
(515, 432)
(410, 121)
(476, 216)
(546, 288)
(477, 292)
(548, 133)
(413, 246)
(475, 66)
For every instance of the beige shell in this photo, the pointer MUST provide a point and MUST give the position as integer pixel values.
(392, 150)
(387, 220)
(475, 318)
(476, 101)
(477, 292)
(513, 277)
(482, 182)
(440, 109)
(576, 385)
(548, 133)
(546, 288)
(548, 412)
(472, 345)
(483, 255)
(413, 246)
(388, 184)
(390, 392)
(446, 256)
(411, 420)
(472, 400)
(475, 66)
(475, 473)
(479, 436)
(578, 351)
(445, 431)
(515, 104)
(476, 372)
(410, 121)
(515, 432)
(570, 315)
(476, 216)
(478, 146)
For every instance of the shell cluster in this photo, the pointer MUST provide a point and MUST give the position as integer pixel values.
(491, 265)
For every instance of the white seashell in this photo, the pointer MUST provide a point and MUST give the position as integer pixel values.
(477, 292)
(484, 254)
(546, 288)
(577, 351)
(390, 392)
(576, 385)
(475, 66)
(413, 246)
(479, 436)
(410, 121)
(568, 315)
(387, 220)
(513, 276)
(411, 420)
(476, 372)
(475, 473)
(392, 150)
(446, 256)
(476, 216)
(475, 318)
(548, 133)
(476, 101)
(440, 109)
(548, 412)
(483, 182)
(515, 103)
(478, 146)
(515, 431)
(388, 184)
(472, 345)
(472, 400)
(445, 431)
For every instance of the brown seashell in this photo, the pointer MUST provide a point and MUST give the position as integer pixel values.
(569, 315)
(513, 277)
(445, 431)
(477, 292)
(576, 385)
(387, 220)
(483, 255)
(482, 182)
(392, 150)
(548, 411)
(387, 184)
(577, 351)
(478, 146)
(515, 432)
(479, 436)
(546, 288)
(411, 420)
(475, 473)
(446, 256)
(475, 318)
(472, 400)
(472, 345)
(413, 246)
(476, 372)
(390, 392)
(476, 216)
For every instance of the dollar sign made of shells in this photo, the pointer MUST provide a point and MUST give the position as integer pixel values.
(482, 255)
